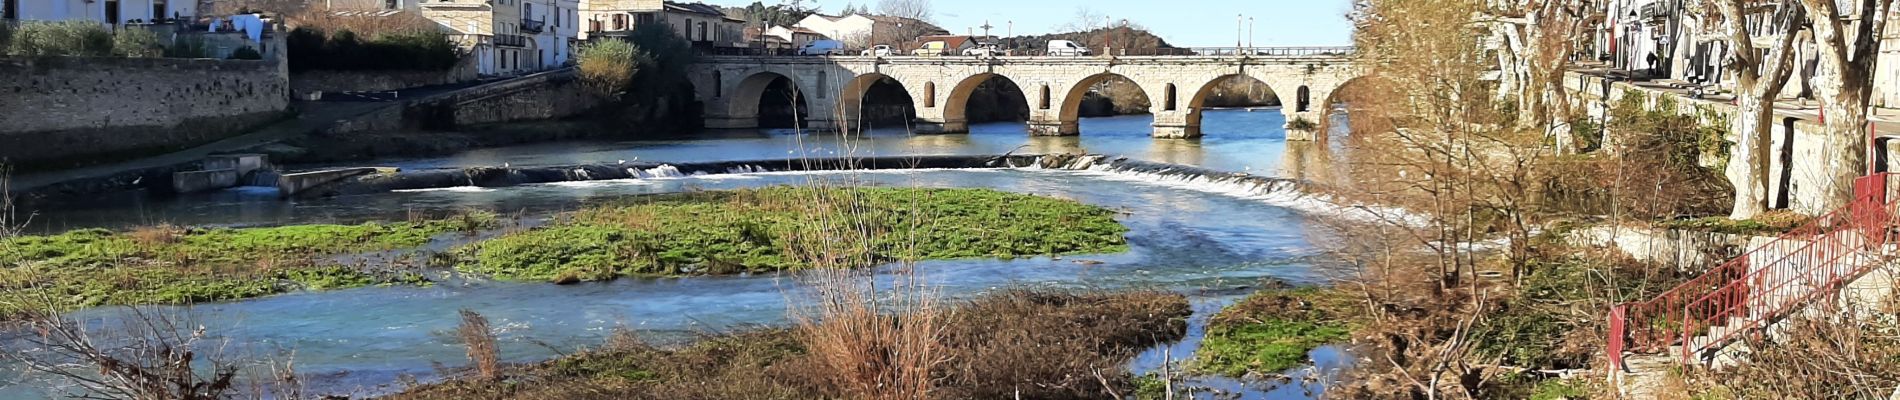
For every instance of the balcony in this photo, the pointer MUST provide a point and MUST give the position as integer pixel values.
(532, 26)
(511, 41)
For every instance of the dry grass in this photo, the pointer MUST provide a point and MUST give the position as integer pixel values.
(479, 339)
(1038, 345)
(1830, 354)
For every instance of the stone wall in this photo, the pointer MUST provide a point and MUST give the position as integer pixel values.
(305, 82)
(66, 111)
(1796, 160)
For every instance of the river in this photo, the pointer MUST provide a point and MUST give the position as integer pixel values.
(1209, 242)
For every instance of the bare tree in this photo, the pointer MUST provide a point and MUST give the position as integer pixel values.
(146, 355)
(1534, 48)
(1848, 43)
(1759, 79)
(476, 335)
(913, 9)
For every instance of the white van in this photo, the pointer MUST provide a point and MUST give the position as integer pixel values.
(1066, 48)
(822, 48)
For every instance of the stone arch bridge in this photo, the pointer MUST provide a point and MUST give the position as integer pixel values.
(731, 87)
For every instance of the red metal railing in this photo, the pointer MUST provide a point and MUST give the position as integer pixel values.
(1768, 282)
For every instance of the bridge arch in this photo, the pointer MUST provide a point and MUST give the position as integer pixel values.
(852, 97)
(1072, 100)
(956, 103)
(750, 93)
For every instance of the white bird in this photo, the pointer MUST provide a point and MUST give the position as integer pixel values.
(504, 165)
(623, 162)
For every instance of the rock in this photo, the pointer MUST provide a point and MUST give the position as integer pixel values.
(1088, 262)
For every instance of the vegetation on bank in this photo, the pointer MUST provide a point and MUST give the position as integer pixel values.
(1272, 331)
(1011, 344)
(789, 228)
(176, 265)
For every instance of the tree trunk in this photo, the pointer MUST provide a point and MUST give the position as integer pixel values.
(1844, 147)
(1748, 160)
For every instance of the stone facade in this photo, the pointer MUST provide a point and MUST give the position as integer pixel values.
(59, 111)
(702, 25)
(730, 87)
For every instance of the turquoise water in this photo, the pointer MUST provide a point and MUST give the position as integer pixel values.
(1202, 241)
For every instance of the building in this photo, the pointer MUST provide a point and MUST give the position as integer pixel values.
(110, 12)
(554, 27)
(705, 26)
(506, 37)
(797, 36)
(861, 31)
(952, 44)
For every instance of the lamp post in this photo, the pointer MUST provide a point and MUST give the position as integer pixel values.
(1250, 42)
(1239, 19)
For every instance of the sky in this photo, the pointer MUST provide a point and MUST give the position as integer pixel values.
(1183, 23)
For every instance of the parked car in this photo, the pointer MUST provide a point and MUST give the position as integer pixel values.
(1066, 48)
(882, 50)
(984, 50)
(823, 48)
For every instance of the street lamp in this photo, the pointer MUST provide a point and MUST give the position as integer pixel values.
(1250, 42)
(1239, 19)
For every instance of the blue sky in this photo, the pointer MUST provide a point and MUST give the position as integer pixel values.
(1187, 23)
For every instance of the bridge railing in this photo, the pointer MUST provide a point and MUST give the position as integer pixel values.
(1115, 52)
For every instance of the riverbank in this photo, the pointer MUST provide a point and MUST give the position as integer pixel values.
(1021, 344)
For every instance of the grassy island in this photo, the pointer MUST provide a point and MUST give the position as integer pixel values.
(1271, 331)
(175, 265)
(788, 228)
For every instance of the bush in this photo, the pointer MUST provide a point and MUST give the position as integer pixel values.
(246, 53)
(61, 38)
(136, 43)
(608, 66)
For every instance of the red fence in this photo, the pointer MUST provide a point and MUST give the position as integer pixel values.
(1765, 284)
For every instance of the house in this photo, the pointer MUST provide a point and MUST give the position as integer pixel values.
(705, 26)
(490, 30)
(766, 41)
(952, 44)
(554, 27)
(797, 36)
(110, 12)
(858, 30)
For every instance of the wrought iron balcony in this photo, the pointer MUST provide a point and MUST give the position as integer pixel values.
(532, 26)
(511, 41)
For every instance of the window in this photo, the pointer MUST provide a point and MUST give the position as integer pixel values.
(702, 32)
(1305, 99)
(158, 11)
(9, 9)
(620, 22)
(1169, 103)
(557, 16)
(1044, 103)
(593, 26)
(112, 12)
(689, 30)
(646, 18)
(930, 95)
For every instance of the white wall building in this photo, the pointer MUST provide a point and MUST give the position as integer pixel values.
(111, 12)
(797, 36)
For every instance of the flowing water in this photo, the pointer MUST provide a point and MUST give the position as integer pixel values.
(1188, 234)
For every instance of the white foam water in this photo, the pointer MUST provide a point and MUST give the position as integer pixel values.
(1277, 192)
(457, 189)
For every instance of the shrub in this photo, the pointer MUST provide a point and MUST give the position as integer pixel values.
(608, 66)
(246, 53)
(1301, 124)
(61, 38)
(136, 43)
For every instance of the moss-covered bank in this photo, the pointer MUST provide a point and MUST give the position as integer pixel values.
(175, 265)
(788, 228)
(1272, 331)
